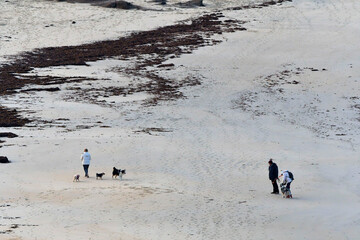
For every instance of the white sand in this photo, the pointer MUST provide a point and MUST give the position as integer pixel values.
(207, 177)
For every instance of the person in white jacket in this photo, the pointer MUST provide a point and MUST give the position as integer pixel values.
(85, 159)
(287, 180)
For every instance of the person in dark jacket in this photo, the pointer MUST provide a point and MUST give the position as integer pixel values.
(273, 176)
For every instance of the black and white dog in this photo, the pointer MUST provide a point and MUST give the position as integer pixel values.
(285, 191)
(99, 175)
(118, 173)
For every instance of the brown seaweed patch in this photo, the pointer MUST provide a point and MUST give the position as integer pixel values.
(119, 4)
(8, 135)
(11, 118)
(153, 130)
(4, 159)
(260, 5)
(55, 89)
(160, 44)
(106, 3)
(192, 3)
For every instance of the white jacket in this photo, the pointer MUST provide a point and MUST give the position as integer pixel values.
(287, 179)
(85, 158)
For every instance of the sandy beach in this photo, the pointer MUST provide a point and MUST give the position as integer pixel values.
(192, 101)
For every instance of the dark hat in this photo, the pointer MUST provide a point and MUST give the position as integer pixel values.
(270, 161)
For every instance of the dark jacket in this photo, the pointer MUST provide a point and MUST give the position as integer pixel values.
(273, 172)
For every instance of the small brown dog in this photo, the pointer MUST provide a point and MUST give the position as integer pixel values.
(76, 178)
(99, 175)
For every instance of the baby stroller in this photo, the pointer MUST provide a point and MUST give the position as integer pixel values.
(285, 191)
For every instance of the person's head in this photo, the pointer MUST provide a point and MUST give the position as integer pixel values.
(270, 161)
(85, 150)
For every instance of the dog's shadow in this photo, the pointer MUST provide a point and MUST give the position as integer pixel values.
(115, 179)
(296, 198)
(91, 179)
(123, 180)
(81, 182)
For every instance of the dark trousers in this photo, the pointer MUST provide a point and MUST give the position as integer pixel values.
(86, 168)
(288, 185)
(275, 186)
